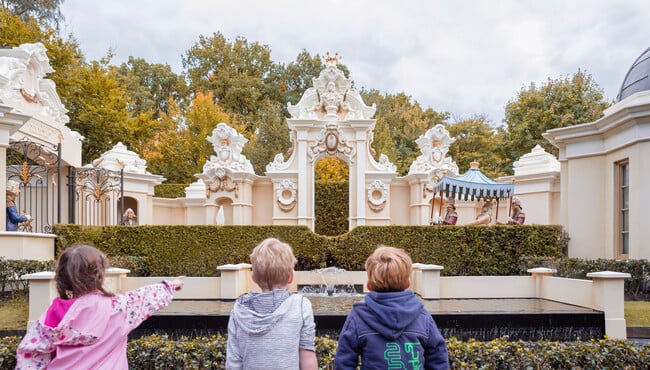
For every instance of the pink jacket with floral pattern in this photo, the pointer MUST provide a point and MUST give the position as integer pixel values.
(93, 333)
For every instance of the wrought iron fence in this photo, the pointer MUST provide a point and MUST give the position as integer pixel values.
(37, 169)
(96, 195)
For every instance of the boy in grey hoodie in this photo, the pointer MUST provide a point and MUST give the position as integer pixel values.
(273, 329)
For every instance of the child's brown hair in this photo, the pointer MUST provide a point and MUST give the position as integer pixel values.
(80, 270)
(388, 269)
(273, 263)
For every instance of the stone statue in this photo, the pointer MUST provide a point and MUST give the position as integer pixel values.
(14, 218)
(485, 217)
(450, 217)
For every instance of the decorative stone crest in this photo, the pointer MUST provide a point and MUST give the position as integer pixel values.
(377, 194)
(332, 97)
(331, 142)
(285, 194)
(217, 172)
(434, 145)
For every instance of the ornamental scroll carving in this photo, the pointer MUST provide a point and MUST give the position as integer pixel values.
(330, 141)
(377, 195)
(332, 97)
(434, 145)
(218, 171)
(285, 194)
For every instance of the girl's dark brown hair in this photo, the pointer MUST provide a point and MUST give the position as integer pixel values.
(80, 270)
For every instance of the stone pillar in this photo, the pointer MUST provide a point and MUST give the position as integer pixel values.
(608, 296)
(42, 290)
(425, 280)
(538, 274)
(235, 280)
(113, 278)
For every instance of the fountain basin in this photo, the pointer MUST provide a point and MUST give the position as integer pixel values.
(481, 319)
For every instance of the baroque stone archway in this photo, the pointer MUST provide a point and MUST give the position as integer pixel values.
(331, 120)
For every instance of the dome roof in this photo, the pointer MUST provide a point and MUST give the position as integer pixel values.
(637, 78)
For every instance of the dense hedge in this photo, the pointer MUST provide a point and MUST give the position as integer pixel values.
(331, 207)
(170, 190)
(577, 268)
(12, 270)
(197, 250)
(159, 352)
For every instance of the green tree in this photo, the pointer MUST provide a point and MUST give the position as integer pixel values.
(477, 141)
(150, 86)
(399, 123)
(563, 102)
(179, 149)
(97, 109)
(45, 12)
(236, 72)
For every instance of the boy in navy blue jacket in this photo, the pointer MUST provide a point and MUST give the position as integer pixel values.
(390, 329)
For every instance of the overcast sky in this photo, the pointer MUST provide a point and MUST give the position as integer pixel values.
(462, 57)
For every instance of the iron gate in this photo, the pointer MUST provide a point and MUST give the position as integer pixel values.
(96, 195)
(37, 168)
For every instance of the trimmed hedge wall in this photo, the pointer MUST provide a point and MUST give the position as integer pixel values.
(198, 250)
(331, 207)
(160, 352)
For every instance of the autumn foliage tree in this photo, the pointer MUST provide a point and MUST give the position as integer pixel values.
(562, 102)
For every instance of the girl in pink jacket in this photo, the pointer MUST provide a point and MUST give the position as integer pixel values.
(88, 327)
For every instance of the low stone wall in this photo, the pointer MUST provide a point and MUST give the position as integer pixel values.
(15, 245)
(604, 292)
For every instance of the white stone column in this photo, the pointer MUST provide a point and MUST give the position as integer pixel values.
(425, 280)
(235, 280)
(608, 297)
(113, 278)
(42, 290)
(538, 274)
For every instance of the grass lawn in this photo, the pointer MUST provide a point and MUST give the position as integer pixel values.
(14, 313)
(637, 313)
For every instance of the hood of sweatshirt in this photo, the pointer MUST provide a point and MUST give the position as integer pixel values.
(256, 313)
(390, 313)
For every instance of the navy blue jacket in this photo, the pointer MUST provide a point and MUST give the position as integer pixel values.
(13, 219)
(391, 330)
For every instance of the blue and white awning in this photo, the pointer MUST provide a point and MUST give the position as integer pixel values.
(473, 185)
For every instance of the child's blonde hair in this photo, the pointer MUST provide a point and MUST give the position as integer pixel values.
(389, 269)
(273, 263)
(80, 270)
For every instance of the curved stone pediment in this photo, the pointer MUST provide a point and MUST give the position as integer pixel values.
(331, 98)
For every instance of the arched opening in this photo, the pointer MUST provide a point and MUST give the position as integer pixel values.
(224, 215)
(129, 203)
(331, 196)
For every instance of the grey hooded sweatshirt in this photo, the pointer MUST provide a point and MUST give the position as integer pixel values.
(266, 331)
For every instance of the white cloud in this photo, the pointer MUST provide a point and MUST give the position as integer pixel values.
(467, 57)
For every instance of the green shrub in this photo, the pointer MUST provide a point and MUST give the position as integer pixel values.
(197, 250)
(160, 352)
(578, 268)
(331, 207)
(12, 270)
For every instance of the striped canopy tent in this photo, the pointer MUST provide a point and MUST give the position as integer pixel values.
(473, 185)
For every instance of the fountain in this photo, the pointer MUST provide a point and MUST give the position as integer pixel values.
(481, 307)
(332, 284)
